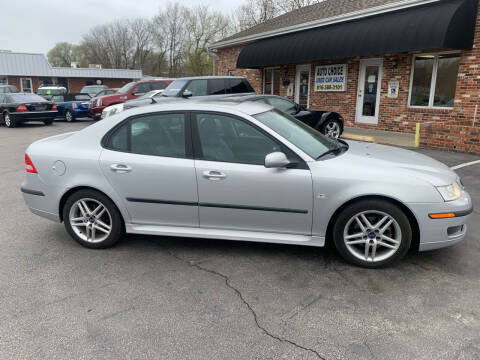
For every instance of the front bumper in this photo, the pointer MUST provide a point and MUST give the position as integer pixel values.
(96, 112)
(439, 233)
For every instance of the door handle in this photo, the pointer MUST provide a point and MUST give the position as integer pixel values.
(120, 168)
(214, 175)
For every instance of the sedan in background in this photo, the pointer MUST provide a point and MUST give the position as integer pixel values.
(328, 123)
(73, 105)
(93, 90)
(242, 171)
(19, 108)
(106, 92)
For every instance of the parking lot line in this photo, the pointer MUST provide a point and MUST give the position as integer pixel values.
(465, 164)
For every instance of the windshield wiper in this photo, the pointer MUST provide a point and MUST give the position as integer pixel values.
(337, 150)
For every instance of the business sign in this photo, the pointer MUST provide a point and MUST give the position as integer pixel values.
(331, 77)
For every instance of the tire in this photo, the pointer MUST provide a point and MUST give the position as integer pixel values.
(48, 122)
(331, 128)
(69, 116)
(81, 230)
(391, 243)
(9, 122)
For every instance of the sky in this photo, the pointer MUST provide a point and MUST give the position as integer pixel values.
(35, 26)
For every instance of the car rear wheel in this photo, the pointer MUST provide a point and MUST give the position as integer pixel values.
(372, 233)
(69, 116)
(332, 128)
(9, 122)
(92, 219)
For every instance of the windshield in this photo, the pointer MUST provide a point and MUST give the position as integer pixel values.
(307, 139)
(125, 88)
(51, 91)
(25, 98)
(174, 88)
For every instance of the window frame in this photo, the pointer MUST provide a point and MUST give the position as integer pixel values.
(31, 85)
(433, 82)
(188, 134)
(272, 68)
(197, 145)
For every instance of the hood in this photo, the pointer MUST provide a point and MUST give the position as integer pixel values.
(398, 161)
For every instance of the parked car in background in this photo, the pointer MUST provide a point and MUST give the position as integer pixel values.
(19, 108)
(243, 171)
(146, 99)
(106, 92)
(129, 91)
(6, 89)
(328, 123)
(72, 105)
(212, 86)
(48, 92)
(93, 90)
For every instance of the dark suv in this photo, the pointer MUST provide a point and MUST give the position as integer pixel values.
(218, 86)
(129, 91)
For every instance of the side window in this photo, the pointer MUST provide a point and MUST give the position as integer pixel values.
(155, 134)
(216, 86)
(228, 139)
(159, 85)
(197, 87)
(238, 86)
(142, 88)
(282, 104)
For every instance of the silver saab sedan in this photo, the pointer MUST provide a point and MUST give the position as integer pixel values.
(242, 171)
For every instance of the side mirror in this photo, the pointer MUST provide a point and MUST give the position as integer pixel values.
(276, 160)
(187, 94)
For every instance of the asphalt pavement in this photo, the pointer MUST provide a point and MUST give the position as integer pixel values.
(172, 298)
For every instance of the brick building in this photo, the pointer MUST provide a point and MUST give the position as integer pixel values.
(29, 71)
(382, 64)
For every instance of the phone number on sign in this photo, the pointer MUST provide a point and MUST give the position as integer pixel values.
(329, 87)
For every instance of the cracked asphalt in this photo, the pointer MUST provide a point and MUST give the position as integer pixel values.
(172, 298)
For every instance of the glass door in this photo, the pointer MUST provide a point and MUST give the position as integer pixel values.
(368, 93)
(302, 85)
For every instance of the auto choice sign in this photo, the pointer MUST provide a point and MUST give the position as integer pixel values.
(331, 77)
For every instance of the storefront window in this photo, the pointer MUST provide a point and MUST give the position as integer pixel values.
(271, 83)
(3, 80)
(434, 80)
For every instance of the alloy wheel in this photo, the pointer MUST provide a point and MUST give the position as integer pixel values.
(8, 122)
(332, 129)
(68, 116)
(90, 220)
(372, 236)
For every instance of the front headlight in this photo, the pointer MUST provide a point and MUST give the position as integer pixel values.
(99, 102)
(450, 192)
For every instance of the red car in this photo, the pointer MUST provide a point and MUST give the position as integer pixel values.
(129, 91)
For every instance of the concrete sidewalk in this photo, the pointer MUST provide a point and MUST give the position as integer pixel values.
(380, 136)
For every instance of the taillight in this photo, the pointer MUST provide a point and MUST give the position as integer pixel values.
(54, 107)
(20, 108)
(74, 105)
(29, 167)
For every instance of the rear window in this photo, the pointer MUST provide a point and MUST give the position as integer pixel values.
(238, 86)
(51, 91)
(25, 98)
(216, 87)
(82, 97)
(158, 85)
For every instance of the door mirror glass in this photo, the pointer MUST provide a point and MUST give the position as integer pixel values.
(187, 94)
(276, 160)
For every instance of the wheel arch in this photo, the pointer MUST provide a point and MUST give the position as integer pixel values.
(411, 217)
(75, 189)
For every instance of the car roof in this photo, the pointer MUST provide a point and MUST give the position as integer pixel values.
(210, 77)
(221, 105)
(52, 87)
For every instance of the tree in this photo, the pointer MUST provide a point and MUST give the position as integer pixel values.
(61, 54)
(203, 27)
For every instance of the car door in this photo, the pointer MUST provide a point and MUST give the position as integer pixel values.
(148, 161)
(235, 189)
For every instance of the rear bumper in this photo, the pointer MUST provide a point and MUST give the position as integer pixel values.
(439, 233)
(41, 199)
(25, 116)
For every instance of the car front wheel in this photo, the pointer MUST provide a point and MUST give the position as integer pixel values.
(332, 128)
(92, 219)
(372, 233)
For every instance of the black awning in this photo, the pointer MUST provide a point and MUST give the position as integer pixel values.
(446, 24)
